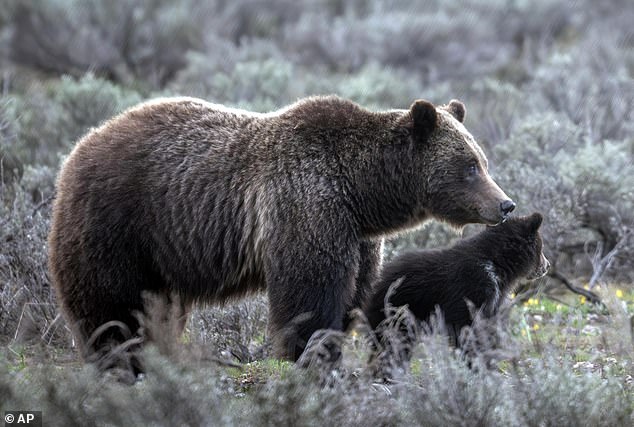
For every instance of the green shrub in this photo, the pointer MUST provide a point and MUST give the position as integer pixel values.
(581, 187)
(51, 117)
(233, 332)
(29, 311)
(11, 166)
(378, 87)
(136, 39)
(442, 390)
(576, 83)
(252, 76)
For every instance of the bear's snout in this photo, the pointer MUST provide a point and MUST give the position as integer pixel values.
(541, 270)
(494, 206)
(506, 207)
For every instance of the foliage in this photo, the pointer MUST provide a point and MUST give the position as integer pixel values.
(255, 76)
(134, 39)
(51, 116)
(546, 386)
(28, 309)
(235, 331)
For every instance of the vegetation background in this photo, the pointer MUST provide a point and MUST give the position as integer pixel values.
(549, 91)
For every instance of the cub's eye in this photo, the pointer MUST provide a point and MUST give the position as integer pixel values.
(472, 170)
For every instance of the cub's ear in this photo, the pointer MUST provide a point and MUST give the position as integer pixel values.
(456, 109)
(535, 221)
(424, 118)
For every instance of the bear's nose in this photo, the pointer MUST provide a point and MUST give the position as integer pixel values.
(507, 207)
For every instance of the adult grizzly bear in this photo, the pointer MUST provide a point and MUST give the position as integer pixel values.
(179, 196)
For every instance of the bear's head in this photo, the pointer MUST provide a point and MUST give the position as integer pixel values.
(520, 235)
(457, 187)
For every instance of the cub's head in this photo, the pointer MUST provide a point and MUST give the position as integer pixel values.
(521, 236)
(453, 169)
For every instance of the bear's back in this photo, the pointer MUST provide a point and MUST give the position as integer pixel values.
(158, 183)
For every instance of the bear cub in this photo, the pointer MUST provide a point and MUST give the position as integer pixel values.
(480, 270)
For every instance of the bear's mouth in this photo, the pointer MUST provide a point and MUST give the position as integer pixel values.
(493, 222)
(495, 219)
(537, 274)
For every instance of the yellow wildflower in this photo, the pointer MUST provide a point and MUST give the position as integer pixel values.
(619, 293)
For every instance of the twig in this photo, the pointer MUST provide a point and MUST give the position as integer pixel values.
(591, 296)
(42, 204)
(602, 264)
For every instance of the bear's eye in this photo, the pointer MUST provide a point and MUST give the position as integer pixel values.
(472, 170)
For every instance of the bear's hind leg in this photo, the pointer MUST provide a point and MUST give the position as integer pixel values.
(101, 299)
(108, 332)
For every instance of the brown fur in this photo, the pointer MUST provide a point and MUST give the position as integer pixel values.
(178, 196)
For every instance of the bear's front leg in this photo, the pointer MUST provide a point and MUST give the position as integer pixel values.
(370, 258)
(308, 285)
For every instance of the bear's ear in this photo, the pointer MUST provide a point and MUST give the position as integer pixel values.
(535, 221)
(456, 109)
(424, 118)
